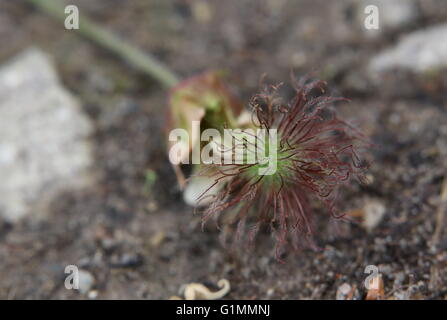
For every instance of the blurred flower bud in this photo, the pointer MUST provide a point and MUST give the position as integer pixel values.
(204, 98)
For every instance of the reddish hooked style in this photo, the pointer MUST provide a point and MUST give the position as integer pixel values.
(316, 154)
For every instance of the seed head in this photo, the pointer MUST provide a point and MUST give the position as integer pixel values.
(316, 154)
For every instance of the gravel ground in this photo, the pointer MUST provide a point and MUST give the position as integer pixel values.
(142, 242)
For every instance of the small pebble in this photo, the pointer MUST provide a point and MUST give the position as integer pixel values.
(86, 281)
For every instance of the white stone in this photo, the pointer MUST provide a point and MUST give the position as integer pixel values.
(44, 147)
(343, 291)
(374, 212)
(420, 51)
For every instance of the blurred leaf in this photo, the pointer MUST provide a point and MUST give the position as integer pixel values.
(205, 98)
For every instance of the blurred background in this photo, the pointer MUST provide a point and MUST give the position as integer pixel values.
(85, 179)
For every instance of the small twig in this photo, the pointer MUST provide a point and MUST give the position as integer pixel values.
(134, 56)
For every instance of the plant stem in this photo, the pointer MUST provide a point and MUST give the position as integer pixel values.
(134, 56)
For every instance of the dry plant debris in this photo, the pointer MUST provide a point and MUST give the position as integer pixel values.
(376, 289)
(197, 291)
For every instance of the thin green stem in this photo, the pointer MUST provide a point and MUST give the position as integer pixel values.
(137, 58)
